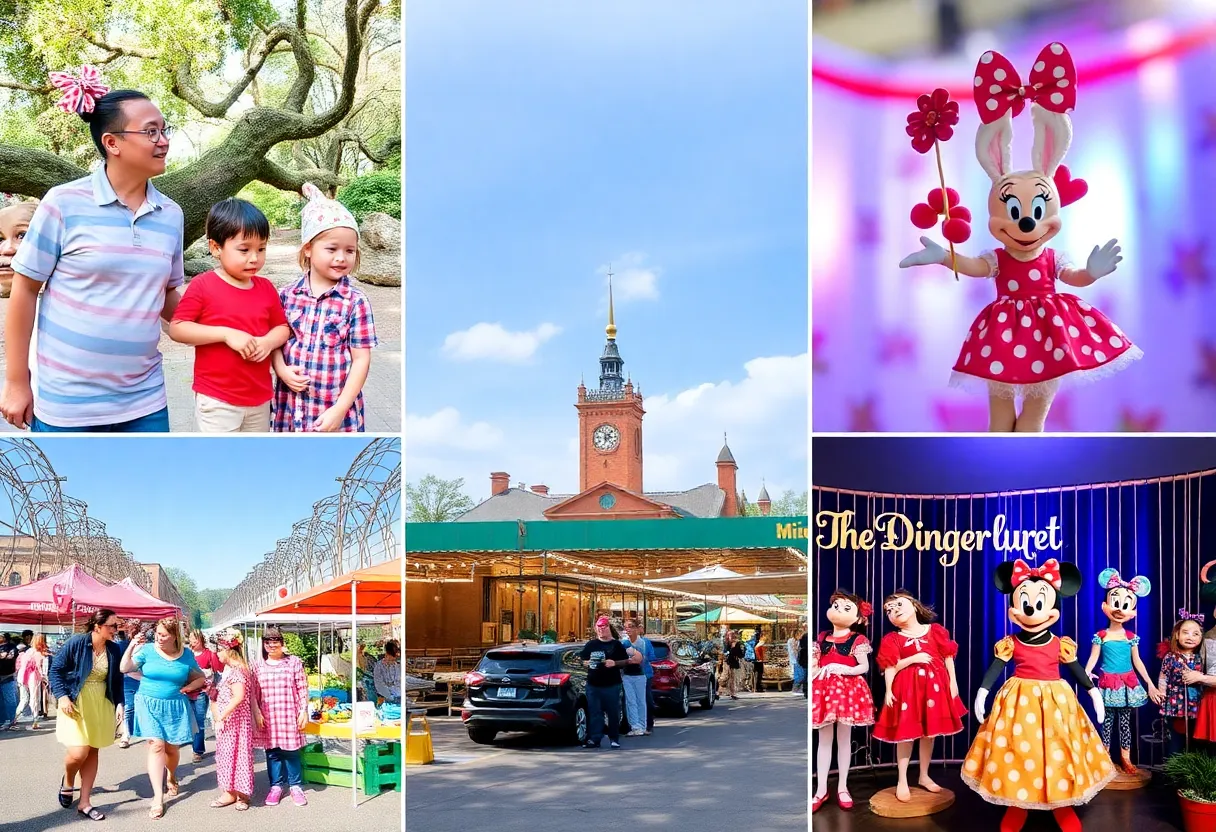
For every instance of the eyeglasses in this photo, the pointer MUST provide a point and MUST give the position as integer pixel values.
(272, 640)
(152, 134)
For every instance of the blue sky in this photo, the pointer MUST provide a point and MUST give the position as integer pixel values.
(547, 140)
(213, 507)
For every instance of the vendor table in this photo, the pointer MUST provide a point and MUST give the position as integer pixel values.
(453, 681)
(341, 731)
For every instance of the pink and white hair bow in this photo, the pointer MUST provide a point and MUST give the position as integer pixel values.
(79, 91)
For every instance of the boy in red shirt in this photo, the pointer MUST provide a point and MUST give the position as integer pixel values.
(235, 321)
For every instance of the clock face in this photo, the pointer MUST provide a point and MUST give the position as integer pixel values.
(607, 501)
(606, 438)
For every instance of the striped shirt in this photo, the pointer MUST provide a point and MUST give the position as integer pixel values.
(107, 271)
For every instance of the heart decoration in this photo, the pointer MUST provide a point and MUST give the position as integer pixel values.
(1070, 189)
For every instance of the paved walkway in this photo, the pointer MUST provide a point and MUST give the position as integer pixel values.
(381, 394)
(32, 763)
(742, 766)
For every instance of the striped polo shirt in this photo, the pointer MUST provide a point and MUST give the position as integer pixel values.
(106, 271)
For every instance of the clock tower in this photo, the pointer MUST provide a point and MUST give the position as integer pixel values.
(610, 422)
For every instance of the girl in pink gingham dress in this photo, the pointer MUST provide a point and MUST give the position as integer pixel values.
(233, 718)
(282, 699)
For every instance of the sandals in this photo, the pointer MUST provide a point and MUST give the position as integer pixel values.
(157, 811)
(65, 793)
(197, 758)
(242, 805)
(171, 787)
(92, 813)
(124, 743)
(220, 803)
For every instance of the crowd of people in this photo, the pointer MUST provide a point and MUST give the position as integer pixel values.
(160, 684)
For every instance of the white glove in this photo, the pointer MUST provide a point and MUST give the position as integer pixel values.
(981, 697)
(931, 254)
(1102, 261)
(1099, 707)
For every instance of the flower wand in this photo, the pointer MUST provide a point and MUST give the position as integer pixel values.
(931, 124)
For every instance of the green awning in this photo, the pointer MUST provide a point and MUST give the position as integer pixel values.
(684, 534)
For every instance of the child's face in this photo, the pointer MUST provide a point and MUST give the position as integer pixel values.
(240, 257)
(14, 222)
(332, 254)
(1190, 636)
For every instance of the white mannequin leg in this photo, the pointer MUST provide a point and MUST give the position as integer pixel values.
(844, 755)
(824, 758)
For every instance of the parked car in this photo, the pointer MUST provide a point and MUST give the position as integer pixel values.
(528, 687)
(683, 673)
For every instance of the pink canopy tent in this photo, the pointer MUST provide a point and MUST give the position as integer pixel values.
(75, 594)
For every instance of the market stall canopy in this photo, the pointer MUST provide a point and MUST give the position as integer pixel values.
(727, 615)
(377, 590)
(717, 580)
(75, 593)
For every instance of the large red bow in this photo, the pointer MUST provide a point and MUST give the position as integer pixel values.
(1053, 84)
(1049, 571)
(79, 91)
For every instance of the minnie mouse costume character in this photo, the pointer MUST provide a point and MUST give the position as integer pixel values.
(840, 697)
(1037, 749)
(1116, 647)
(1031, 338)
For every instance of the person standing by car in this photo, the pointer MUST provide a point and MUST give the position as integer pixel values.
(604, 657)
(648, 669)
(732, 654)
(635, 677)
(749, 659)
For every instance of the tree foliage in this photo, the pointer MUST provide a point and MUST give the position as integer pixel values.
(789, 504)
(202, 602)
(254, 81)
(435, 500)
(374, 192)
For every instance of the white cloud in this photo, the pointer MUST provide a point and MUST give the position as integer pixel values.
(446, 428)
(632, 279)
(492, 342)
(763, 413)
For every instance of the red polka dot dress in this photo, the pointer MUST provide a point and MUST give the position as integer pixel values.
(234, 744)
(922, 704)
(1032, 338)
(840, 699)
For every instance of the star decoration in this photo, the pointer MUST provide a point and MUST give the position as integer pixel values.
(1207, 365)
(861, 417)
(1189, 266)
(960, 416)
(1059, 418)
(818, 341)
(1131, 421)
(895, 347)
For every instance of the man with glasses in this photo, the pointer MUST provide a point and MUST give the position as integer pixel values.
(108, 247)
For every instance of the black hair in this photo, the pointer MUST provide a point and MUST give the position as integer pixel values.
(236, 218)
(107, 115)
(1070, 581)
(25, 633)
(97, 619)
(391, 648)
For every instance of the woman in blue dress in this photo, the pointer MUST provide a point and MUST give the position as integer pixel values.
(163, 714)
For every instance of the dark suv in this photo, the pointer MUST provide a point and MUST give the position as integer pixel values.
(528, 687)
(683, 673)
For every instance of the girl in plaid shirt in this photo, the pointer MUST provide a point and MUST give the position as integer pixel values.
(321, 370)
(280, 712)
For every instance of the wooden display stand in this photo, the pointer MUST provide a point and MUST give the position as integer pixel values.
(1126, 782)
(886, 804)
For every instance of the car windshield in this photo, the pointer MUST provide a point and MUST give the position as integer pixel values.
(514, 661)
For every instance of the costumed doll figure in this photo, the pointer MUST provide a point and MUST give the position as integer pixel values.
(1205, 719)
(1038, 748)
(1181, 678)
(922, 702)
(840, 698)
(1117, 648)
(1032, 337)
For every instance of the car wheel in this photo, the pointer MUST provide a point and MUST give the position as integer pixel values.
(683, 705)
(579, 729)
(708, 701)
(482, 736)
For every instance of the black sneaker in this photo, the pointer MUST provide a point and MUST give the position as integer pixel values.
(590, 744)
(614, 744)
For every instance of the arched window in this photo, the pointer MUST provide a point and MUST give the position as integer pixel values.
(14, 579)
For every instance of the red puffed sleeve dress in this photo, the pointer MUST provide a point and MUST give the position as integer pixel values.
(922, 705)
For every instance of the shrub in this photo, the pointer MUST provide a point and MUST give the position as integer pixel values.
(380, 191)
(282, 208)
(1194, 774)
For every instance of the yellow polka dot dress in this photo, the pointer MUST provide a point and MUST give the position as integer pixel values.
(1037, 749)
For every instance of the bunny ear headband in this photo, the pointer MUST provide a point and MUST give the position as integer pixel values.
(1109, 579)
(1051, 91)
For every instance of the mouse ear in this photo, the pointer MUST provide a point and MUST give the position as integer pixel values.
(1002, 576)
(1070, 580)
(994, 146)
